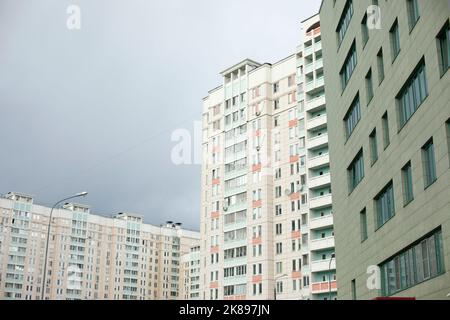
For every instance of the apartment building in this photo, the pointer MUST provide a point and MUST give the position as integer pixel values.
(191, 274)
(89, 256)
(266, 223)
(387, 86)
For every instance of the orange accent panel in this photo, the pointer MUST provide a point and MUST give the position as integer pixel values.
(257, 133)
(215, 214)
(257, 204)
(256, 240)
(296, 274)
(293, 159)
(256, 167)
(214, 285)
(295, 196)
(295, 234)
(257, 278)
(216, 181)
(215, 249)
(293, 123)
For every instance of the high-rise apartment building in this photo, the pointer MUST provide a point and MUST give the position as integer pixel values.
(387, 88)
(266, 220)
(190, 274)
(89, 256)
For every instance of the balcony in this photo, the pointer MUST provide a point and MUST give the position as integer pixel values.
(323, 265)
(315, 103)
(308, 51)
(319, 181)
(319, 161)
(321, 222)
(309, 68)
(317, 122)
(317, 141)
(320, 202)
(323, 287)
(322, 243)
(235, 226)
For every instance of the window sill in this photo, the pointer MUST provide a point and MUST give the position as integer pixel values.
(381, 226)
(395, 58)
(407, 203)
(430, 184)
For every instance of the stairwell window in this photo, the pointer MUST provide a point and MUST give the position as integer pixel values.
(429, 163)
(380, 64)
(444, 48)
(413, 93)
(363, 225)
(384, 204)
(413, 13)
(369, 86)
(349, 66)
(407, 182)
(356, 171)
(373, 146)
(364, 31)
(395, 40)
(352, 117)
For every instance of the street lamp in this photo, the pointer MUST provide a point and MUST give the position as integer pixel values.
(329, 275)
(80, 194)
(275, 286)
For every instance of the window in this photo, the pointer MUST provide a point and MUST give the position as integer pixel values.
(353, 289)
(363, 225)
(384, 202)
(380, 64)
(373, 146)
(344, 21)
(385, 125)
(419, 262)
(352, 117)
(356, 171)
(395, 40)
(413, 13)
(429, 163)
(444, 48)
(369, 86)
(276, 104)
(413, 93)
(407, 182)
(349, 66)
(364, 30)
(276, 87)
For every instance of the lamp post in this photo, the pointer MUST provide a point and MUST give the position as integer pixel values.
(81, 194)
(275, 286)
(329, 275)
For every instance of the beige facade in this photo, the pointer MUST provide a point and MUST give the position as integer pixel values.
(89, 256)
(266, 224)
(190, 273)
(387, 88)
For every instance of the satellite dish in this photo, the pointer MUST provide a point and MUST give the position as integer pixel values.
(225, 208)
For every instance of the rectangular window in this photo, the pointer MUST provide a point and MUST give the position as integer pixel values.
(444, 48)
(395, 40)
(385, 125)
(419, 262)
(373, 146)
(349, 66)
(407, 182)
(344, 21)
(413, 13)
(353, 289)
(352, 117)
(364, 30)
(384, 202)
(380, 64)
(413, 93)
(356, 171)
(429, 163)
(369, 86)
(363, 225)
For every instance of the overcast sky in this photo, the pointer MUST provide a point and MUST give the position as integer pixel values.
(93, 109)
